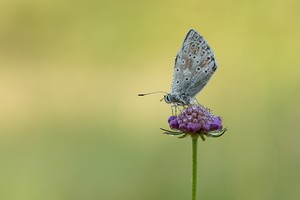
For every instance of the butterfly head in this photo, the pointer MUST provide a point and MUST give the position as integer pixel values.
(167, 98)
(179, 99)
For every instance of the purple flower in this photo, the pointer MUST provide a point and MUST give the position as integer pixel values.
(174, 124)
(195, 119)
(171, 118)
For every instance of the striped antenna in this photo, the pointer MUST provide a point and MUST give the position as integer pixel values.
(144, 94)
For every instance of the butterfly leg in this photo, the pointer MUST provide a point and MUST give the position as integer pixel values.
(197, 101)
(174, 109)
(179, 109)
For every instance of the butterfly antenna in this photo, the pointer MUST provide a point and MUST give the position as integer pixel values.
(144, 94)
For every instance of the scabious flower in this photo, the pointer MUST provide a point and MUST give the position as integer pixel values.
(195, 119)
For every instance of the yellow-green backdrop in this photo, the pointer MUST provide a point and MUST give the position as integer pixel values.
(71, 123)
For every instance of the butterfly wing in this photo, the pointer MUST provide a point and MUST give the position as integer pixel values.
(194, 65)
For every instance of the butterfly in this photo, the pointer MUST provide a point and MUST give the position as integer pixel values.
(195, 63)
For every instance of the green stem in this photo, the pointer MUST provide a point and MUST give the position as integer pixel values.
(194, 170)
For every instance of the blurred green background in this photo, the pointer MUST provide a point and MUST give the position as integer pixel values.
(72, 126)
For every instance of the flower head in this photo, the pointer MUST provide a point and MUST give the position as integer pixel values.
(195, 119)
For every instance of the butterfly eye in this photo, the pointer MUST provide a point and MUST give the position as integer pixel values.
(183, 61)
(177, 70)
(186, 78)
(205, 71)
(207, 58)
(177, 82)
(190, 55)
(198, 68)
(194, 57)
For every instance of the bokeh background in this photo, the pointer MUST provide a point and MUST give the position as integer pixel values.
(72, 125)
